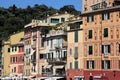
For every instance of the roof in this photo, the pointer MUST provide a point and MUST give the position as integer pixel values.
(116, 8)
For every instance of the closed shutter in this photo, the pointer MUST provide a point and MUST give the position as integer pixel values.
(108, 62)
(108, 14)
(102, 16)
(90, 34)
(108, 48)
(106, 32)
(93, 64)
(87, 18)
(102, 65)
(90, 50)
(102, 48)
(76, 36)
(87, 64)
(76, 64)
(92, 17)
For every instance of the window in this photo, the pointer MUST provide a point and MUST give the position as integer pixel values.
(42, 56)
(106, 64)
(90, 34)
(90, 64)
(90, 18)
(70, 51)
(106, 50)
(54, 20)
(106, 32)
(70, 65)
(90, 50)
(76, 52)
(8, 49)
(76, 64)
(27, 51)
(76, 36)
(62, 19)
(14, 69)
(15, 48)
(106, 16)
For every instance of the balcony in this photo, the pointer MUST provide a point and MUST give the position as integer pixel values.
(57, 60)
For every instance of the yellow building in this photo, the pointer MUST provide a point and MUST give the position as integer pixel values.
(9, 46)
(6, 59)
(75, 50)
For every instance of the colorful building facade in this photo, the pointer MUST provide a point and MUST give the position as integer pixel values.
(101, 44)
(75, 51)
(16, 52)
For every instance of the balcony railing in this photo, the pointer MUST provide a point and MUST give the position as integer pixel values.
(57, 60)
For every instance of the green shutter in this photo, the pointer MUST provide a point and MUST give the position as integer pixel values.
(76, 36)
(102, 16)
(90, 34)
(102, 65)
(87, 18)
(108, 62)
(92, 17)
(70, 65)
(106, 32)
(76, 64)
(102, 48)
(87, 64)
(108, 15)
(108, 48)
(93, 64)
(90, 50)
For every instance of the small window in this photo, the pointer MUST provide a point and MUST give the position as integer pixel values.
(62, 19)
(106, 64)
(90, 50)
(90, 34)
(41, 56)
(76, 36)
(106, 16)
(90, 64)
(90, 18)
(106, 32)
(70, 65)
(106, 49)
(8, 49)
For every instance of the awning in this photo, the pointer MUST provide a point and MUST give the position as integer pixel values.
(97, 77)
(48, 66)
(32, 52)
(79, 77)
(58, 67)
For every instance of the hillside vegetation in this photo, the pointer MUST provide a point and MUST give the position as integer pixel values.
(13, 19)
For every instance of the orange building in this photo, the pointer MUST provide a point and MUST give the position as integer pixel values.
(101, 31)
